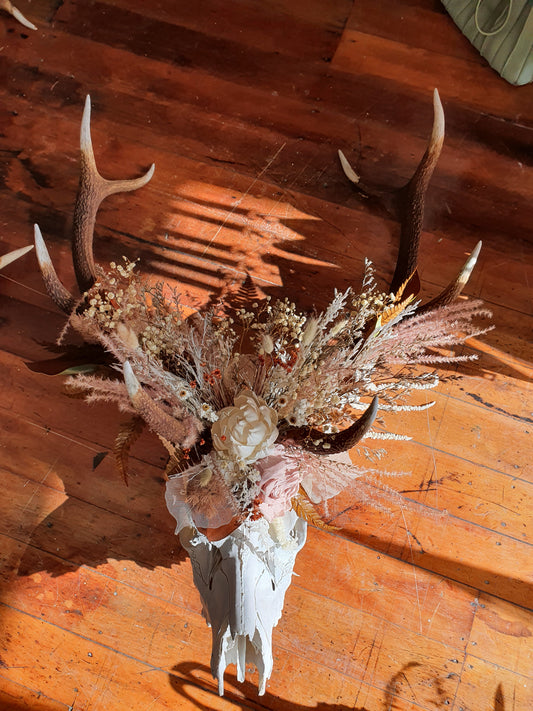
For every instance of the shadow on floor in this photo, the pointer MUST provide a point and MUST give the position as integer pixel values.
(187, 677)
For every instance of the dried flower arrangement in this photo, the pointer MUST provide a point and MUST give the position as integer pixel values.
(256, 402)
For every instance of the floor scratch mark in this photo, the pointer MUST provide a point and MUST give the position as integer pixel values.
(239, 201)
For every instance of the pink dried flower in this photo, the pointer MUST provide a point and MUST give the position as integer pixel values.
(209, 497)
(280, 481)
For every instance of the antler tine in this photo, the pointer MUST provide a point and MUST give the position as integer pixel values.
(9, 7)
(454, 288)
(183, 432)
(6, 259)
(349, 172)
(412, 198)
(320, 443)
(59, 294)
(92, 190)
(409, 201)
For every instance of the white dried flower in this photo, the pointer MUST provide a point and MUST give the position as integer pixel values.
(208, 413)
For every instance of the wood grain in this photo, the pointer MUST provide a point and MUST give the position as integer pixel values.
(242, 106)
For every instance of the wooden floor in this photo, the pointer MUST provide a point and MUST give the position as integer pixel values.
(242, 105)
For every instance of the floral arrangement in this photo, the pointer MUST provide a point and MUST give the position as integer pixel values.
(249, 400)
(256, 402)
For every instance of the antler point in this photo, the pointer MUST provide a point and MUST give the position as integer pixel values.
(349, 172)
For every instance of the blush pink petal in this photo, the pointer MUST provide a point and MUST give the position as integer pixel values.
(280, 481)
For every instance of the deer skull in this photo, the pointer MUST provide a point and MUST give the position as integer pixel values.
(242, 580)
(243, 560)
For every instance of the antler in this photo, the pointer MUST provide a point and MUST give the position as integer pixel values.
(412, 200)
(9, 7)
(454, 288)
(92, 190)
(410, 206)
(6, 259)
(332, 443)
(59, 294)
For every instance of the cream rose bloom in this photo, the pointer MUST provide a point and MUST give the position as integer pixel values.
(245, 431)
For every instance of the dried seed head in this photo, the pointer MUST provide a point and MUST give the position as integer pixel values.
(127, 336)
(267, 343)
(310, 331)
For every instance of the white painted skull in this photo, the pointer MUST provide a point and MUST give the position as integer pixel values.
(242, 580)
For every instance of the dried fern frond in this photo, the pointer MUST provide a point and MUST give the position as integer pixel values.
(129, 432)
(393, 311)
(176, 463)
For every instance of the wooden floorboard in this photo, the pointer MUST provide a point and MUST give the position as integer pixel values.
(242, 107)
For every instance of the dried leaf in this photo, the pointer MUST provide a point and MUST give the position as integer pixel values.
(129, 432)
(411, 286)
(398, 294)
(176, 462)
(305, 509)
(81, 369)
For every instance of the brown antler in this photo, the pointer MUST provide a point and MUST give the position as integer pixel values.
(332, 443)
(92, 190)
(59, 294)
(412, 200)
(9, 7)
(454, 288)
(410, 206)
